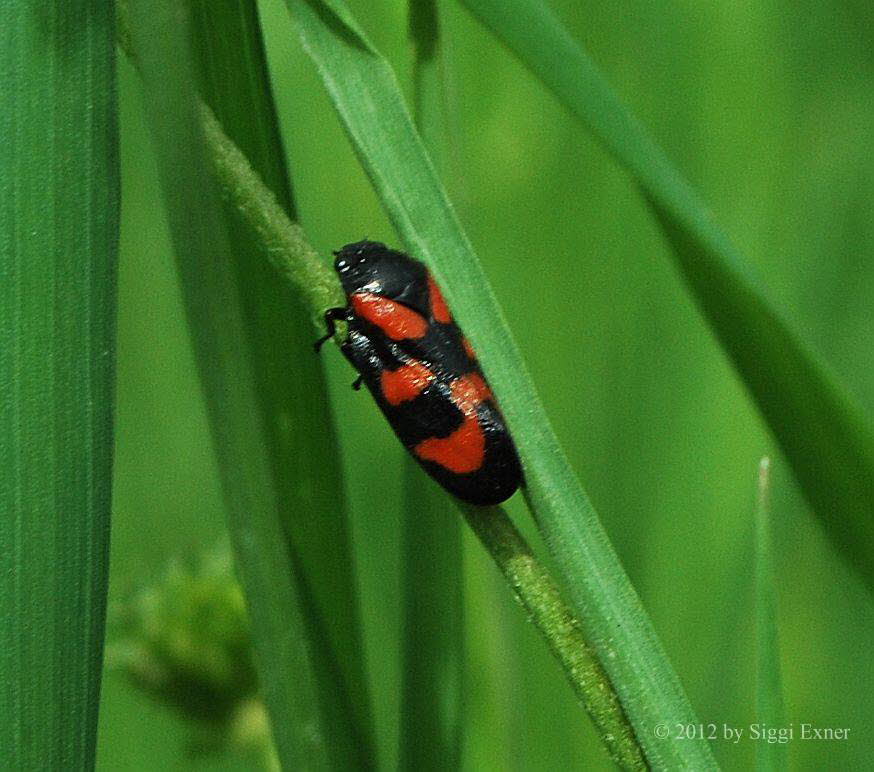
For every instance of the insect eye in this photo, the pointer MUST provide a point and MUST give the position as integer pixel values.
(349, 260)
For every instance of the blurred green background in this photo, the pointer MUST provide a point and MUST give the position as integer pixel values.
(768, 108)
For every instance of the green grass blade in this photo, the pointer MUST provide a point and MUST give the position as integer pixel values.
(433, 653)
(365, 94)
(279, 605)
(433, 629)
(303, 450)
(769, 688)
(824, 434)
(58, 247)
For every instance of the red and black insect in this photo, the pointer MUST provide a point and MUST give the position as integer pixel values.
(423, 373)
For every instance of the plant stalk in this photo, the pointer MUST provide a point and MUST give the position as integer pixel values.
(539, 595)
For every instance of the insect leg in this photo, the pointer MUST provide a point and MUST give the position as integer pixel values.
(332, 315)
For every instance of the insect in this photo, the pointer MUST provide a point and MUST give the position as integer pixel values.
(422, 372)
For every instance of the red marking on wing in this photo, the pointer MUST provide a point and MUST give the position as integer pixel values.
(439, 309)
(468, 391)
(464, 450)
(471, 354)
(396, 320)
(461, 452)
(405, 383)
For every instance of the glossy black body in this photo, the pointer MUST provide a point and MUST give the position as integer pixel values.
(371, 267)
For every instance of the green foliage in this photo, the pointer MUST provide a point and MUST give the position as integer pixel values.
(58, 248)
(280, 602)
(272, 234)
(769, 687)
(431, 711)
(302, 446)
(823, 432)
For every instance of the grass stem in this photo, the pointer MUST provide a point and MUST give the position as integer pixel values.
(556, 622)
